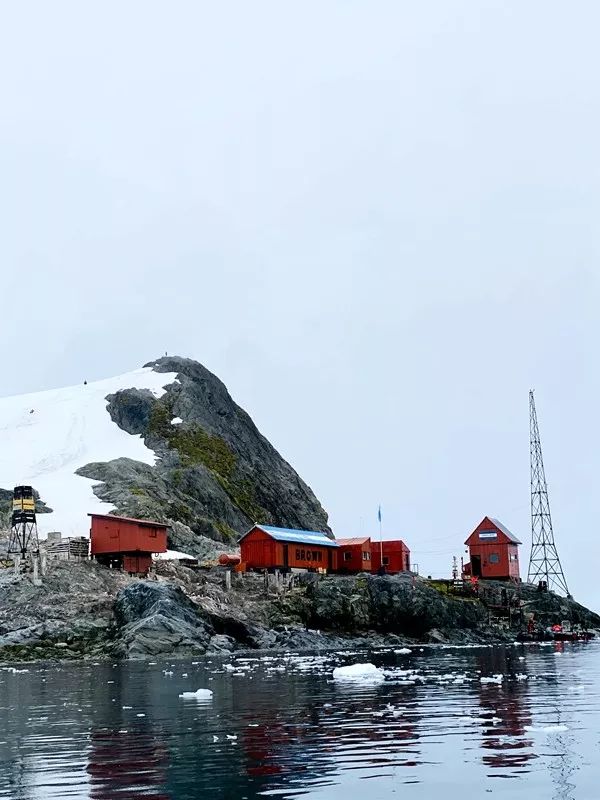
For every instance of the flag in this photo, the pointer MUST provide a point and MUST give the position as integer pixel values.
(379, 513)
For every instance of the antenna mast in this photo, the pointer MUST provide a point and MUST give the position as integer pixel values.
(544, 563)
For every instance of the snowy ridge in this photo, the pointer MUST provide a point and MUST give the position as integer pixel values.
(46, 436)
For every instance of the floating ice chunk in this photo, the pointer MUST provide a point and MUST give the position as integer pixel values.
(229, 668)
(199, 694)
(231, 738)
(359, 673)
(215, 738)
(167, 672)
(140, 715)
(493, 679)
(404, 651)
(127, 708)
(546, 729)
(520, 676)
(326, 705)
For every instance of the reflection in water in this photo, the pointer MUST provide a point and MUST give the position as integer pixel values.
(282, 727)
(505, 743)
(123, 762)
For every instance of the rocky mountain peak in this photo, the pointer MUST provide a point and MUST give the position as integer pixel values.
(215, 473)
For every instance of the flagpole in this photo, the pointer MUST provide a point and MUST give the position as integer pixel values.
(380, 538)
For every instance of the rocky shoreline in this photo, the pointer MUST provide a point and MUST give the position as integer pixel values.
(85, 611)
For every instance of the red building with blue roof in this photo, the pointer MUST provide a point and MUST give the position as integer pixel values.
(267, 547)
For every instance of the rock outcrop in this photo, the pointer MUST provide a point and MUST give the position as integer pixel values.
(158, 618)
(389, 604)
(82, 610)
(215, 475)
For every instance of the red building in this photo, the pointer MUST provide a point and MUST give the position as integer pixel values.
(396, 556)
(126, 543)
(493, 551)
(354, 554)
(266, 547)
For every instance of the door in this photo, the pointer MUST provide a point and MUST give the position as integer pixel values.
(476, 566)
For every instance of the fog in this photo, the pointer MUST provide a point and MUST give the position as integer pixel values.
(376, 222)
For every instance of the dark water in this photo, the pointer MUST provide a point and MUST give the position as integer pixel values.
(121, 731)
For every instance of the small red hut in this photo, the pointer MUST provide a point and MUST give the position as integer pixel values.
(354, 554)
(126, 543)
(393, 554)
(267, 547)
(493, 551)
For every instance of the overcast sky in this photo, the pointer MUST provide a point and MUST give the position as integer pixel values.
(377, 222)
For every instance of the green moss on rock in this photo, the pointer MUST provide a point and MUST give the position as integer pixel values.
(228, 534)
(193, 443)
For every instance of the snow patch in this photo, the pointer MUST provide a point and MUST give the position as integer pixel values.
(404, 651)
(176, 421)
(46, 436)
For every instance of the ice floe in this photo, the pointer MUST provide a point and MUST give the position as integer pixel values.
(199, 694)
(546, 729)
(359, 673)
(492, 679)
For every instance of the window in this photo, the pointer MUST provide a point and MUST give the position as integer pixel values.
(385, 561)
(513, 557)
(153, 533)
(366, 556)
(347, 555)
(494, 558)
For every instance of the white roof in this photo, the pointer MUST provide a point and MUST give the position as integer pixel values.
(173, 555)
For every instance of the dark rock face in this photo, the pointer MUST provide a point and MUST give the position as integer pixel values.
(215, 476)
(131, 409)
(389, 604)
(83, 610)
(158, 618)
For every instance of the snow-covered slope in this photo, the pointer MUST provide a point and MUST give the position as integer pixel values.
(46, 436)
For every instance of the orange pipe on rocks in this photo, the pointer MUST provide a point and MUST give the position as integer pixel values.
(229, 559)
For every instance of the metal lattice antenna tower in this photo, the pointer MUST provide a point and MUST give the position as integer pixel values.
(544, 563)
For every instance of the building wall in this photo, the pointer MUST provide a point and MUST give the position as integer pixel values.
(260, 551)
(137, 564)
(122, 536)
(354, 558)
(396, 556)
(499, 556)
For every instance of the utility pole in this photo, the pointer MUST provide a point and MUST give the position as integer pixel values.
(544, 563)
